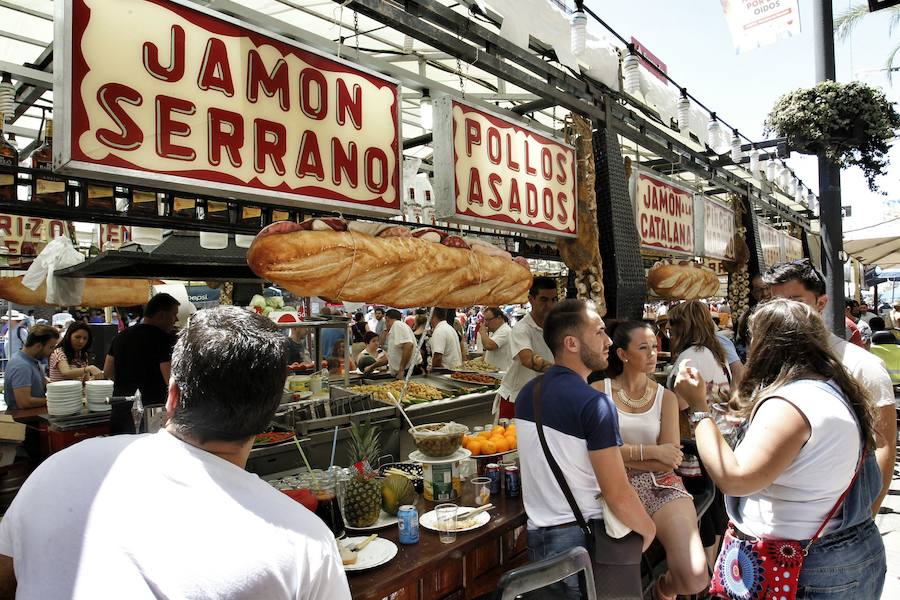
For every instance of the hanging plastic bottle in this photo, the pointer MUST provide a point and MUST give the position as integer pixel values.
(683, 112)
(737, 154)
(579, 32)
(631, 74)
(714, 134)
(754, 164)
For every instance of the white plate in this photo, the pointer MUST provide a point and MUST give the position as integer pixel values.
(376, 553)
(99, 408)
(429, 519)
(496, 454)
(384, 520)
(417, 456)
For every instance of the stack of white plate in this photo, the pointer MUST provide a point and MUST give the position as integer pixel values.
(97, 392)
(64, 397)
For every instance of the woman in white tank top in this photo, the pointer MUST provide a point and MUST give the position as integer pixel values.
(648, 425)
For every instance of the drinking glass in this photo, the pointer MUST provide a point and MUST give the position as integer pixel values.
(446, 522)
(482, 486)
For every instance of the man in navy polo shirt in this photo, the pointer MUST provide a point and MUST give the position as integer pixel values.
(24, 383)
(582, 432)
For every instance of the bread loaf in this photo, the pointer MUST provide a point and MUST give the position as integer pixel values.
(98, 293)
(682, 280)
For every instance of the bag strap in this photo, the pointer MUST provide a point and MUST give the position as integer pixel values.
(537, 400)
(840, 501)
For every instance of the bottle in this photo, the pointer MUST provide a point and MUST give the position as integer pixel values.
(325, 379)
(9, 159)
(47, 188)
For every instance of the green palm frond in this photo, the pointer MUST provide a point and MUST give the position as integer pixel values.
(846, 22)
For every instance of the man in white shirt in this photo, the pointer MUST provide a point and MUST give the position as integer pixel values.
(529, 352)
(401, 346)
(79, 527)
(494, 336)
(444, 343)
(800, 281)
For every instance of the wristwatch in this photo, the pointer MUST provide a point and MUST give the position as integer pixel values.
(696, 417)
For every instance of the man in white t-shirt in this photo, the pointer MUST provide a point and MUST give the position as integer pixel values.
(444, 343)
(494, 336)
(174, 514)
(530, 354)
(799, 280)
(400, 344)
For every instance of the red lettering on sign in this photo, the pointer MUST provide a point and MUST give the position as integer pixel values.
(546, 164)
(175, 70)
(561, 177)
(515, 204)
(510, 163)
(473, 135)
(493, 145)
(475, 196)
(129, 136)
(528, 167)
(269, 139)
(313, 87)
(349, 105)
(495, 201)
(272, 83)
(219, 138)
(57, 228)
(531, 200)
(310, 160)
(379, 184)
(167, 127)
(36, 226)
(215, 72)
(6, 224)
(547, 201)
(561, 204)
(344, 162)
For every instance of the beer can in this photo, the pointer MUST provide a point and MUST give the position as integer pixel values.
(512, 481)
(408, 521)
(492, 472)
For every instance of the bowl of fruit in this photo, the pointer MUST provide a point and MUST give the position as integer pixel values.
(492, 442)
(438, 440)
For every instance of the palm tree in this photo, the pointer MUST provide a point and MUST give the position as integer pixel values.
(847, 21)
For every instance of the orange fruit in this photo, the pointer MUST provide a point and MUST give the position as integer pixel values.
(475, 447)
(501, 444)
(511, 440)
(465, 441)
(488, 447)
(484, 434)
(498, 430)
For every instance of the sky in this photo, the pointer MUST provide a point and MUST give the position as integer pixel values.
(692, 38)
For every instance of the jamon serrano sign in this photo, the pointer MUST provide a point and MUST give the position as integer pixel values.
(503, 173)
(664, 213)
(168, 92)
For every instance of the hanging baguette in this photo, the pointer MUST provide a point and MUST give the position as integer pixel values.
(98, 293)
(426, 267)
(682, 280)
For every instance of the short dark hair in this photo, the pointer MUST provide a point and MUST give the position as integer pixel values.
(393, 313)
(358, 317)
(369, 336)
(850, 303)
(378, 308)
(566, 318)
(230, 366)
(495, 310)
(876, 324)
(802, 270)
(441, 313)
(41, 334)
(541, 283)
(161, 302)
(621, 333)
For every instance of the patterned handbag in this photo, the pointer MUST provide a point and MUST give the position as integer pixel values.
(754, 569)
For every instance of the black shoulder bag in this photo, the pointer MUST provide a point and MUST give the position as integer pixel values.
(616, 562)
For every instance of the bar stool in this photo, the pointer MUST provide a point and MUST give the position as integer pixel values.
(534, 576)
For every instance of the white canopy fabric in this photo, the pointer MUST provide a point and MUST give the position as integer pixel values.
(876, 246)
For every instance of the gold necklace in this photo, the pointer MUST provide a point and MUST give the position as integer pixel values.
(640, 402)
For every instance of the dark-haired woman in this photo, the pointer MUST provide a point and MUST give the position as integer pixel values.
(808, 440)
(72, 359)
(648, 424)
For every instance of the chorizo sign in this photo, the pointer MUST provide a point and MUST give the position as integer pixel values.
(498, 172)
(664, 213)
(770, 242)
(25, 237)
(793, 248)
(718, 230)
(170, 93)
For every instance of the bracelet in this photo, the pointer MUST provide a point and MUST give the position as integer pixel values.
(642, 453)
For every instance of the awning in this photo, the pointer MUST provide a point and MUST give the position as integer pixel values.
(875, 246)
(179, 256)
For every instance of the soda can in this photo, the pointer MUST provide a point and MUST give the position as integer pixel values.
(492, 472)
(408, 521)
(513, 482)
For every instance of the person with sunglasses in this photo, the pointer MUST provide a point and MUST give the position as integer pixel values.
(529, 352)
(494, 335)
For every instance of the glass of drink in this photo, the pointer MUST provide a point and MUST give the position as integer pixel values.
(329, 509)
(482, 487)
(446, 522)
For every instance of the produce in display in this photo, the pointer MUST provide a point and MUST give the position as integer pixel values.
(438, 440)
(499, 439)
(478, 364)
(362, 500)
(682, 280)
(425, 267)
(476, 378)
(415, 393)
(98, 293)
(396, 490)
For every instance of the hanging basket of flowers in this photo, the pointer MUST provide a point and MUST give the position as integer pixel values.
(851, 123)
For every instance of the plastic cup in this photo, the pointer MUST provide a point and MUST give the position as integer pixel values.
(446, 522)
(482, 490)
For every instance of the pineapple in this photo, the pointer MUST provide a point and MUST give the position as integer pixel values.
(362, 500)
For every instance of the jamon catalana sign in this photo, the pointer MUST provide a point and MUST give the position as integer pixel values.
(664, 213)
(168, 92)
(496, 171)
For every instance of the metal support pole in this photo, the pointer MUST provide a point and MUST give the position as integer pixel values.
(829, 180)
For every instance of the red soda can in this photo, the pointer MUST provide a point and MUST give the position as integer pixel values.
(492, 472)
(512, 481)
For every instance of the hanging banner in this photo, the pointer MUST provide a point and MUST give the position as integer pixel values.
(25, 237)
(664, 214)
(756, 23)
(718, 230)
(498, 172)
(770, 240)
(792, 248)
(172, 94)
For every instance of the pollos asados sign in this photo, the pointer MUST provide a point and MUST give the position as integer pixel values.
(491, 170)
(172, 93)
